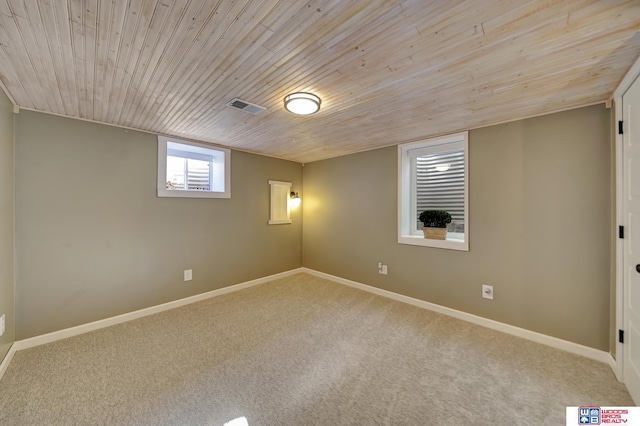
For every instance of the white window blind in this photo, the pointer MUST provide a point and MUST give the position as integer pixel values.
(440, 184)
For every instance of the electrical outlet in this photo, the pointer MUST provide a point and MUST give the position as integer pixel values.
(382, 268)
(188, 274)
(487, 291)
(2, 325)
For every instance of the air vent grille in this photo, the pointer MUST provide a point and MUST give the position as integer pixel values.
(245, 106)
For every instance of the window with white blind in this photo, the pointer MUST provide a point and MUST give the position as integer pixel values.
(433, 175)
(188, 169)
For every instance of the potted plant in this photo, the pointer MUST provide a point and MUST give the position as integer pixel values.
(435, 223)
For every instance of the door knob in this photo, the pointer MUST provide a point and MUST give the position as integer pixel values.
(638, 267)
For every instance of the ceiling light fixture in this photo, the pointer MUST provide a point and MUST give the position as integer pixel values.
(302, 103)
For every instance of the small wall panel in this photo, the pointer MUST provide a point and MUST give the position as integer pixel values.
(280, 213)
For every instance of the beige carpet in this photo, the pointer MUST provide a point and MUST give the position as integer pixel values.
(300, 351)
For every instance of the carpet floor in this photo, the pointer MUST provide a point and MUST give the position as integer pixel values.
(300, 351)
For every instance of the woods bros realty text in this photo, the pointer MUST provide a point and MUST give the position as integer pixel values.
(603, 415)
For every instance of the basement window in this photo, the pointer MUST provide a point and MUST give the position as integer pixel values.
(189, 169)
(433, 175)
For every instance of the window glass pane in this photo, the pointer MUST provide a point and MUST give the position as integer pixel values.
(440, 186)
(192, 170)
(175, 172)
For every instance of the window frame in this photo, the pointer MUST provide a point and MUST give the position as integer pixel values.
(407, 210)
(163, 141)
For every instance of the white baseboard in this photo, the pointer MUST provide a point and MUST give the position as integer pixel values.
(7, 359)
(575, 348)
(107, 322)
(554, 342)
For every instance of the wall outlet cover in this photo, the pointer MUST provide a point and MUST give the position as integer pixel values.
(487, 291)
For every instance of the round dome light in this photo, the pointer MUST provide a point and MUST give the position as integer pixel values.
(302, 103)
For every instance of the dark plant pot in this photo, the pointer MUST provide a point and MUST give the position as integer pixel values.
(435, 233)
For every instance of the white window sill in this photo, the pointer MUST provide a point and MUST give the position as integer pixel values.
(449, 244)
(191, 194)
(279, 222)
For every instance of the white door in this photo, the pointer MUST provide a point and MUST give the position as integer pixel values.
(631, 242)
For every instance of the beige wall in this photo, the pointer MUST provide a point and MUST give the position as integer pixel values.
(540, 206)
(6, 223)
(94, 241)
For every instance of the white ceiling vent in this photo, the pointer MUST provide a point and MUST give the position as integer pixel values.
(245, 106)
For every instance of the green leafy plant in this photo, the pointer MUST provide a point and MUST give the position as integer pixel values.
(435, 218)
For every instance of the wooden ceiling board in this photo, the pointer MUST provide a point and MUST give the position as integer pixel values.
(388, 71)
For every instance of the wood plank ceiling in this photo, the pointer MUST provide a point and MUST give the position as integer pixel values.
(387, 71)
